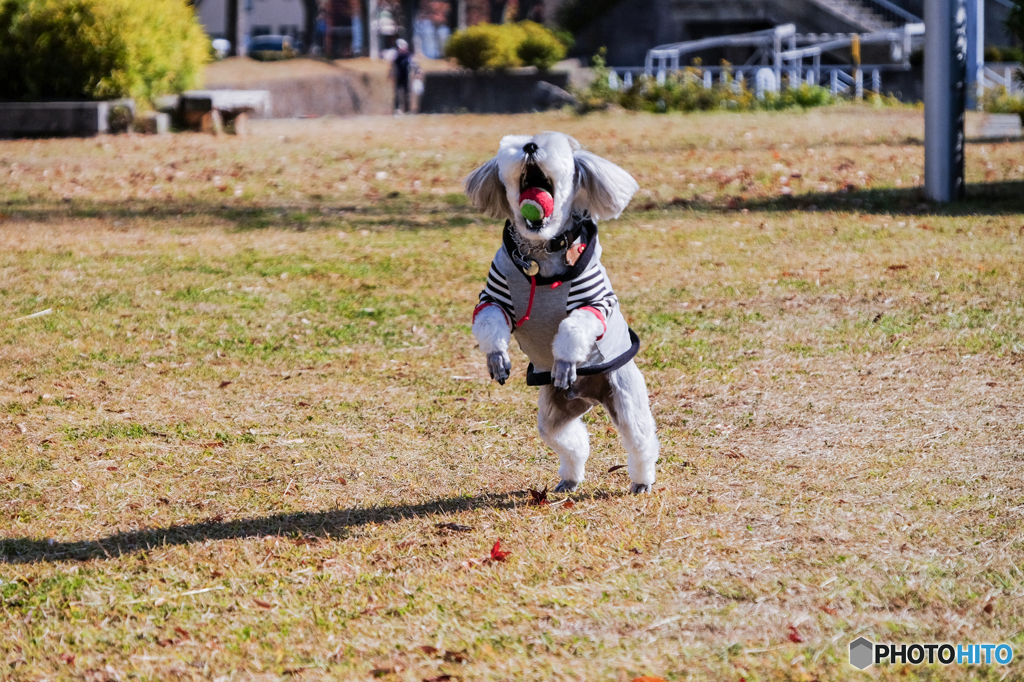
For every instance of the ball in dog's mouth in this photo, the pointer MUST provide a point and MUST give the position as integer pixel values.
(536, 204)
(536, 200)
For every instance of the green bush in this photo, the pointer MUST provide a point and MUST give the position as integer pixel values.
(274, 55)
(999, 101)
(996, 53)
(498, 47)
(99, 49)
(539, 47)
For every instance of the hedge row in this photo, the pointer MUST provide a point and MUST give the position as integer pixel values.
(505, 46)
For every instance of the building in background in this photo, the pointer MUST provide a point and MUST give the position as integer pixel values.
(261, 17)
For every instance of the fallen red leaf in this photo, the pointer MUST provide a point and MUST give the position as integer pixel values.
(794, 635)
(568, 504)
(496, 553)
(68, 658)
(649, 678)
(263, 604)
(429, 650)
(540, 497)
(183, 633)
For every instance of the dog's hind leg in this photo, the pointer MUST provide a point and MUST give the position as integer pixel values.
(630, 411)
(558, 419)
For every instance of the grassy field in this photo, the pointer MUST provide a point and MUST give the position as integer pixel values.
(245, 433)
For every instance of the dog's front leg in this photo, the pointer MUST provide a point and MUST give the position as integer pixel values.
(492, 332)
(573, 344)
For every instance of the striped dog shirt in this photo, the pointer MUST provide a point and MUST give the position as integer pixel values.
(535, 306)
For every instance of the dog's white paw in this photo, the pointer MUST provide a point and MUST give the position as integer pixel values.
(499, 365)
(565, 486)
(565, 374)
(640, 488)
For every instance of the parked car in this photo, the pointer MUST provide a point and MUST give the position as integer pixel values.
(271, 47)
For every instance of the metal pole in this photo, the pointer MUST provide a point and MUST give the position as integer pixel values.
(976, 50)
(945, 97)
(373, 40)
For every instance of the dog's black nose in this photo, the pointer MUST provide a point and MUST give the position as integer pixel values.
(529, 147)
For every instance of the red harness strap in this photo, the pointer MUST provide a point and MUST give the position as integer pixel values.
(529, 306)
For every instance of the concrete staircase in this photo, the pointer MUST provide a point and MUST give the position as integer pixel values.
(856, 13)
(810, 16)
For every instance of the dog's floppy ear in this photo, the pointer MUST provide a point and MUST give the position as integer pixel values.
(485, 189)
(605, 188)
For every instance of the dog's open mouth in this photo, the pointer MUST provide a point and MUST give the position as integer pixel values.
(538, 196)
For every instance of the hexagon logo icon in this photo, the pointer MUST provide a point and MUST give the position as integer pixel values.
(862, 653)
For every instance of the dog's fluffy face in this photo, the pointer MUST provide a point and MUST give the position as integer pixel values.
(554, 162)
(543, 161)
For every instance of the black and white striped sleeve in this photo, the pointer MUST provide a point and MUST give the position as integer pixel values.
(592, 289)
(496, 293)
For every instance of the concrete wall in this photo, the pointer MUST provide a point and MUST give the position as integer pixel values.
(54, 119)
(484, 93)
(628, 30)
(342, 93)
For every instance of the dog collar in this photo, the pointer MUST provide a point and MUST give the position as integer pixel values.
(580, 226)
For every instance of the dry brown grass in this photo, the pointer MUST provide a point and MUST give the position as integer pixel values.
(231, 449)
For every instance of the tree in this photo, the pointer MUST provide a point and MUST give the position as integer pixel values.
(1015, 26)
(1015, 21)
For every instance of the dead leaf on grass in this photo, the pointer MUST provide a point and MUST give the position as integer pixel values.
(649, 678)
(898, 266)
(225, 384)
(68, 658)
(263, 604)
(540, 497)
(456, 527)
(428, 650)
(440, 678)
(616, 468)
(384, 672)
(794, 635)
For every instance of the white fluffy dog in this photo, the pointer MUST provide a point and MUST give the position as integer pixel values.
(547, 285)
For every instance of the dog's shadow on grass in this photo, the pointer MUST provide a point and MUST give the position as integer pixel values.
(310, 525)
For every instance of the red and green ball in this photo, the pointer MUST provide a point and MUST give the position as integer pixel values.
(536, 204)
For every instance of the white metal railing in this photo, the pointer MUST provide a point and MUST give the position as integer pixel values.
(989, 79)
(841, 80)
(786, 59)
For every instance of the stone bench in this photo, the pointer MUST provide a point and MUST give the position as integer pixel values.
(212, 110)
